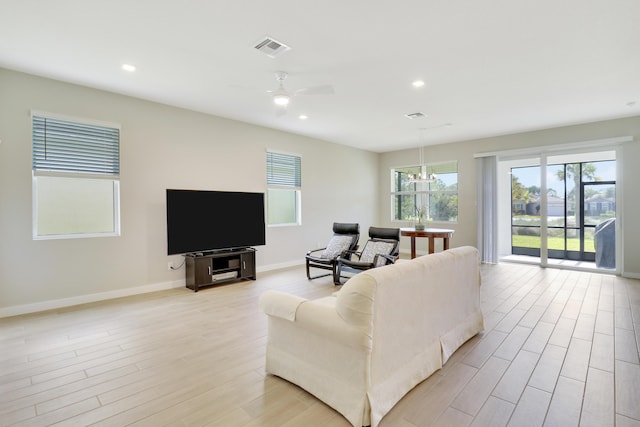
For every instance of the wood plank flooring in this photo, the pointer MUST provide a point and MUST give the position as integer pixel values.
(560, 349)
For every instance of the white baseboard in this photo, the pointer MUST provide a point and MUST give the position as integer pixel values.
(278, 266)
(631, 275)
(103, 296)
(84, 299)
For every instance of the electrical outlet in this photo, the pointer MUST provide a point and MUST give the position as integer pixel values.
(169, 266)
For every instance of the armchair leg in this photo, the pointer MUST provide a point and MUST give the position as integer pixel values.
(323, 267)
(336, 274)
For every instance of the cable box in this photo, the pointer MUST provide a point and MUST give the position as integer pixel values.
(224, 276)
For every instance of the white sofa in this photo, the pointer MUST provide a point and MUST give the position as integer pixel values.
(384, 332)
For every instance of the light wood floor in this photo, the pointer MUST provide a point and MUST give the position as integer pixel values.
(560, 349)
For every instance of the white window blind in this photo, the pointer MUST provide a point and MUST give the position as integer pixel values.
(64, 146)
(442, 168)
(76, 178)
(283, 170)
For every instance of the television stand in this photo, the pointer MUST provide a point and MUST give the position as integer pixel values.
(212, 268)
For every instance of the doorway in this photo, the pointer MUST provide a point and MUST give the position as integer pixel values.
(575, 214)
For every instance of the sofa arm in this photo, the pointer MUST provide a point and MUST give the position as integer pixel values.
(280, 304)
(314, 316)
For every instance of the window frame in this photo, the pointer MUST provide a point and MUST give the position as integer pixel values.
(40, 170)
(423, 192)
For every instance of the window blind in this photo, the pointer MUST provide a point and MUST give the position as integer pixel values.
(442, 168)
(284, 170)
(60, 145)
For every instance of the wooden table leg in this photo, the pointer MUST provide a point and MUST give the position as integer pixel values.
(445, 243)
(432, 248)
(413, 247)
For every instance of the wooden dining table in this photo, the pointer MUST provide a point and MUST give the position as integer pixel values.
(430, 233)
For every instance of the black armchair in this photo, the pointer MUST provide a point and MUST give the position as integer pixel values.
(345, 238)
(382, 248)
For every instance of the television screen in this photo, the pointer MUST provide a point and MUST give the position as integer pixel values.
(200, 221)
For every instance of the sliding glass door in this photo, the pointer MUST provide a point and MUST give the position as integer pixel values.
(580, 211)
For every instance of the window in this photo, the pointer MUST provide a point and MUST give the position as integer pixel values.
(76, 168)
(437, 199)
(283, 189)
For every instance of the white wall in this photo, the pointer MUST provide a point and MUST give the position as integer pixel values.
(463, 152)
(164, 147)
(161, 147)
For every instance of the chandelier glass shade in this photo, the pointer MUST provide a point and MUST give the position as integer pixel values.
(423, 175)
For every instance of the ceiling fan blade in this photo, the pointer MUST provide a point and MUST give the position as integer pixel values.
(316, 90)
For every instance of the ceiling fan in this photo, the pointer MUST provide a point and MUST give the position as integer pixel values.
(281, 96)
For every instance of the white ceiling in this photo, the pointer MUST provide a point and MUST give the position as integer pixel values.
(491, 67)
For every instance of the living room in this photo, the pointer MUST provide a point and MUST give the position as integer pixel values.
(208, 149)
(165, 146)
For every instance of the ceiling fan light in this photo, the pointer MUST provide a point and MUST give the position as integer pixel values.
(281, 99)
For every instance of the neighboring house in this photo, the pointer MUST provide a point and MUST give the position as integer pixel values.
(518, 207)
(598, 205)
(555, 206)
(533, 207)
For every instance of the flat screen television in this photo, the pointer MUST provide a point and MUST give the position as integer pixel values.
(205, 221)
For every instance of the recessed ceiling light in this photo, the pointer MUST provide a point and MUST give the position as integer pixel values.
(128, 67)
(418, 83)
(303, 117)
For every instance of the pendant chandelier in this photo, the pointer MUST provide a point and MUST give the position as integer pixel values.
(423, 176)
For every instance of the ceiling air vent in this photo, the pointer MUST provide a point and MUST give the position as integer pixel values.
(415, 115)
(271, 47)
